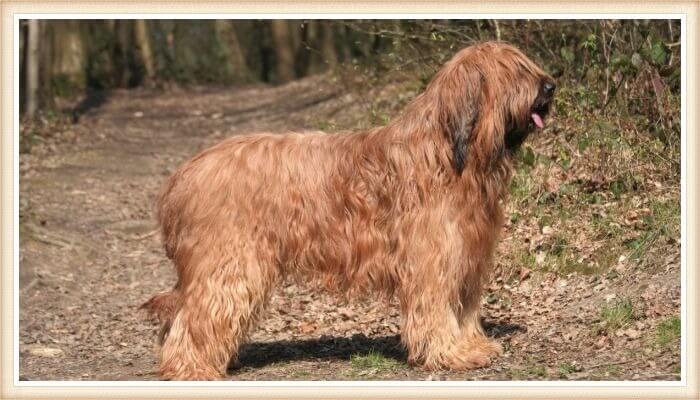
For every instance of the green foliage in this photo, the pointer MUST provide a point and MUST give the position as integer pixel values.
(373, 361)
(657, 53)
(668, 331)
(567, 54)
(663, 222)
(590, 42)
(618, 315)
(527, 156)
(566, 368)
(530, 371)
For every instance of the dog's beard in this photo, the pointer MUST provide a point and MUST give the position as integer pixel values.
(519, 131)
(516, 133)
(515, 138)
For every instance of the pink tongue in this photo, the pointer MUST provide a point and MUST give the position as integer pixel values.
(538, 120)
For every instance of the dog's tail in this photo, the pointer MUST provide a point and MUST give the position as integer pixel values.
(163, 307)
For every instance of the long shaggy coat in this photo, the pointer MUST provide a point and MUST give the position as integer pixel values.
(411, 209)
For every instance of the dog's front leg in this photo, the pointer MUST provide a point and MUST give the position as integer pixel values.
(472, 335)
(440, 291)
(431, 330)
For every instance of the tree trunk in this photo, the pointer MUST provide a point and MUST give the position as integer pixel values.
(283, 50)
(32, 65)
(294, 32)
(347, 44)
(330, 57)
(308, 55)
(68, 68)
(144, 44)
(121, 53)
(46, 55)
(227, 36)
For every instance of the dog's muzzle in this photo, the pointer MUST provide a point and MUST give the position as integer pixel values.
(542, 104)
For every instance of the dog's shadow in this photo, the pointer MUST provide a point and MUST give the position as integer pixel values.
(258, 355)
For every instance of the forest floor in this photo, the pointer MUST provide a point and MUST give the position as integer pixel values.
(588, 292)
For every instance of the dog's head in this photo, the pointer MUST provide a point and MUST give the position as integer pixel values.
(489, 98)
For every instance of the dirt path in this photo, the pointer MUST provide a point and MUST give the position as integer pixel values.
(90, 256)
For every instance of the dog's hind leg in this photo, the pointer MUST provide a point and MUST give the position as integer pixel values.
(220, 306)
(163, 307)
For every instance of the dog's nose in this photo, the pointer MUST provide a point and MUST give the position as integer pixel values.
(549, 87)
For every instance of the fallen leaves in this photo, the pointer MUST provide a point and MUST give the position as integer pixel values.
(347, 313)
(45, 351)
(307, 327)
(632, 333)
(602, 342)
(524, 273)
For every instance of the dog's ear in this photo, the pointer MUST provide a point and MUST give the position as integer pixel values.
(488, 131)
(460, 132)
(477, 121)
(459, 100)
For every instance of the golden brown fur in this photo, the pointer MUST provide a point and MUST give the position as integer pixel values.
(411, 209)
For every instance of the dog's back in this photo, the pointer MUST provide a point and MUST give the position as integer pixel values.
(283, 194)
(224, 185)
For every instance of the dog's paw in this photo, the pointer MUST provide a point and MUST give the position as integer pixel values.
(462, 358)
(472, 355)
(190, 375)
(491, 347)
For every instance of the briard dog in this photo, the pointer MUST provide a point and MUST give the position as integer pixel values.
(412, 209)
